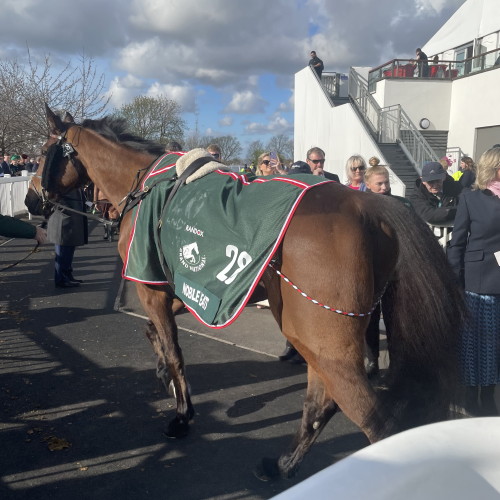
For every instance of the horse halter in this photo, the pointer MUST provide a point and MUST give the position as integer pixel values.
(55, 153)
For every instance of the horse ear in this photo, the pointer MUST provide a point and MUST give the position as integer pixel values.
(68, 118)
(53, 121)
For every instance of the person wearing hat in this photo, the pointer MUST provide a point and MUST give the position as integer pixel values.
(14, 164)
(299, 167)
(436, 195)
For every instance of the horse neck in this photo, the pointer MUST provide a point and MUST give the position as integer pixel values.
(113, 168)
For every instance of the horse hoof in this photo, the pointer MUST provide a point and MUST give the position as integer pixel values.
(177, 429)
(267, 470)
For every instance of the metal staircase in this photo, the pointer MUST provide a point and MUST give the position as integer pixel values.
(400, 165)
(437, 140)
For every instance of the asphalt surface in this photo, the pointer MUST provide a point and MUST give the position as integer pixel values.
(82, 412)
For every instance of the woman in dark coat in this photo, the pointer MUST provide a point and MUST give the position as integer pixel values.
(467, 173)
(474, 254)
(67, 230)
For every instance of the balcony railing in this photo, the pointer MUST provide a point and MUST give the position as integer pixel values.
(442, 70)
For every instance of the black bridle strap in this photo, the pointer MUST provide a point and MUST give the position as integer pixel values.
(64, 208)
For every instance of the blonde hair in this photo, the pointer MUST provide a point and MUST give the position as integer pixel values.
(376, 170)
(374, 161)
(354, 161)
(258, 171)
(487, 168)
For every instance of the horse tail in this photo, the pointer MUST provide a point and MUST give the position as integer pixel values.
(423, 309)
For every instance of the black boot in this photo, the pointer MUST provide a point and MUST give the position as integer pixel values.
(291, 355)
(372, 369)
(288, 353)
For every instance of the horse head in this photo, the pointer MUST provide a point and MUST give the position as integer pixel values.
(61, 170)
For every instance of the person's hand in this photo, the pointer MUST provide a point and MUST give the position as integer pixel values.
(41, 235)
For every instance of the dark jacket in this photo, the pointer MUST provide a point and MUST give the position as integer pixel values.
(467, 179)
(476, 238)
(5, 168)
(331, 177)
(15, 228)
(69, 228)
(433, 210)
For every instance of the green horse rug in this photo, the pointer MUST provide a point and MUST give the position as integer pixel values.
(215, 236)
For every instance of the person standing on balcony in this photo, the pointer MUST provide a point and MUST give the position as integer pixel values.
(316, 63)
(423, 63)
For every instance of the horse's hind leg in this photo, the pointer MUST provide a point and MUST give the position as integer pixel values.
(162, 333)
(319, 408)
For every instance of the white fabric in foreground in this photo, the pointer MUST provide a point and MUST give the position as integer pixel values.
(458, 459)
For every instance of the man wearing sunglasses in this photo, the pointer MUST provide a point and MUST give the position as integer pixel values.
(316, 161)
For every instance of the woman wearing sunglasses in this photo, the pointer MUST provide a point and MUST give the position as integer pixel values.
(355, 170)
(268, 166)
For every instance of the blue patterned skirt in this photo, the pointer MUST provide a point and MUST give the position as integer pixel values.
(480, 348)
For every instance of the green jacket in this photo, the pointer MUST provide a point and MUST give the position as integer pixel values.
(16, 228)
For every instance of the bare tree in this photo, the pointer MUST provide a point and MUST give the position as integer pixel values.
(283, 145)
(229, 145)
(255, 149)
(26, 87)
(154, 118)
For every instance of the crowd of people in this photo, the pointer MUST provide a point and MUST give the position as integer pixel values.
(13, 165)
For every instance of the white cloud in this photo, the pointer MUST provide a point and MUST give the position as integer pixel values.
(246, 102)
(123, 90)
(184, 95)
(275, 126)
(226, 121)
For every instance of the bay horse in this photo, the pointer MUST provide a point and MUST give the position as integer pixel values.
(345, 249)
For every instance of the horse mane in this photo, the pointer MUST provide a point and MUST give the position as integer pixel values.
(115, 129)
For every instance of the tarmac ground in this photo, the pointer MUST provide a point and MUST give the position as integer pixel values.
(82, 412)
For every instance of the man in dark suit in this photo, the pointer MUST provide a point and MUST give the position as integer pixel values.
(5, 166)
(316, 161)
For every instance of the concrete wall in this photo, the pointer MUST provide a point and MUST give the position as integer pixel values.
(420, 99)
(474, 103)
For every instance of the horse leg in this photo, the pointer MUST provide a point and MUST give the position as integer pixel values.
(162, 333)
(319, 408)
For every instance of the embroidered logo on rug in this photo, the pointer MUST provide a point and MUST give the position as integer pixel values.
(190, 257)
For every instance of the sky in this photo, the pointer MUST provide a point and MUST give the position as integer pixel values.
(230, 64)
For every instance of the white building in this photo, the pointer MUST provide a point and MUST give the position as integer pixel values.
(403, 118)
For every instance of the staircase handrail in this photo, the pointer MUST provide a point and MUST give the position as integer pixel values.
(324, 90)
(363, 100)
(417, 149)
